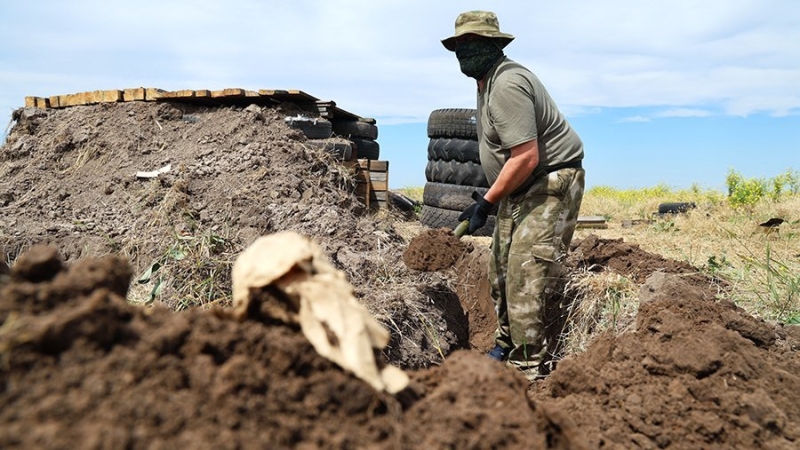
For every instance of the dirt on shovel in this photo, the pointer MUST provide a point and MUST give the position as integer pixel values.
(435, 249)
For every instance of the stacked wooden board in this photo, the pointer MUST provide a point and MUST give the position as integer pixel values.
(372, 178)
(229, 96)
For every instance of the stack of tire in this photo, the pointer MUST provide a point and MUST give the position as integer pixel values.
(361, 134)
(453, 171)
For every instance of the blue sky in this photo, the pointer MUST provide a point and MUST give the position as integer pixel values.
(673, 92)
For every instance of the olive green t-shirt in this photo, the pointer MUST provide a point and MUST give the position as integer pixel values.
(513, 108)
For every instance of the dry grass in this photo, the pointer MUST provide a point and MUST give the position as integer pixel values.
(761, 264)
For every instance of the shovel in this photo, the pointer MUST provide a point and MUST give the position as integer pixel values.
(461, 229)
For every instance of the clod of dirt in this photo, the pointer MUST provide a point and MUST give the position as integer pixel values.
(434, 250)
(41, 263)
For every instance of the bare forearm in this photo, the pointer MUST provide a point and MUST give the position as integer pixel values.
(524, 159)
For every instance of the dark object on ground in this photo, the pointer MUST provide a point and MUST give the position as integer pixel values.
(677, 207)
(403, 202)
(772, 223)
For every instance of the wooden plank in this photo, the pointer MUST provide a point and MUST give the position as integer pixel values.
(597, 222)
(178, 95)
(81, 98)
(378, 176)
(329, 110)
(37, 102)
(107, 96)
(379, 185)
(153, 94)
(382, 196)
(230, 92)
(378, 200)
(373, 165)
(133, 94)
(379, 166)
(288, 95)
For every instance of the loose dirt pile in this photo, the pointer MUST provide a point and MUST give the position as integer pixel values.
(84, 369)
(80, 366)
(67, 178)
(434, 250)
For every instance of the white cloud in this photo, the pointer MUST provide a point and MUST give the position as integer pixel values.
(684, 112)
(635, 119)
(383, 59)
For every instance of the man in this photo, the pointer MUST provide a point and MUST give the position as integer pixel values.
(532, 160)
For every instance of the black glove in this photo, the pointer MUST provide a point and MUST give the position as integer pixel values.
(476, 213)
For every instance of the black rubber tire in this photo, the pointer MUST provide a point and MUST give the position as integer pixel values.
(434, 217)
(449, 196)
(454, 149)
(355, 128)
(677, 207)
(453, 123)
(366, 148)
(402, 202)
(454, 172)
(312, 128)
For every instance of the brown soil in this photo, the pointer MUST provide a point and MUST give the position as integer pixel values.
(81, 367)
(434, 250)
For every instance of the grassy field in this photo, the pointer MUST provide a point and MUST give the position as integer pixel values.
(720, 237)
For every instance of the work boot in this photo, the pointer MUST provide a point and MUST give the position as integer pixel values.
(498, 353)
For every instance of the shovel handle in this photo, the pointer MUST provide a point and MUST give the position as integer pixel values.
(461, 229)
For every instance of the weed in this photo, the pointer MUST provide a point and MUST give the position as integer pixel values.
(606, 302)
(777, 285)
(194, 270)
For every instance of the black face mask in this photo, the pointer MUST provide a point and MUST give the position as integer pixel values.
(477, 57)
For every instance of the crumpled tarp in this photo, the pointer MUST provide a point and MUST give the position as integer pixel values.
(307, 289)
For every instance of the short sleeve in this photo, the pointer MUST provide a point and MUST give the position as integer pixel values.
(512, 108)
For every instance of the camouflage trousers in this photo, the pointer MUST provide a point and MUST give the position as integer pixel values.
(531, 238)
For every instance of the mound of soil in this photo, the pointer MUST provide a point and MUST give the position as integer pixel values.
(81, 366)
(698, 372)
(695, 374)
(68, 179)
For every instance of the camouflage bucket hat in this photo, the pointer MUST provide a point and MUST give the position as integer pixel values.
(482, 23)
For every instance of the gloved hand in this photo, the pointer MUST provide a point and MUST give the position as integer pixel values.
(476, 213)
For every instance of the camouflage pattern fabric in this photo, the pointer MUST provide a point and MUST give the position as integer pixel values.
(531, 238)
